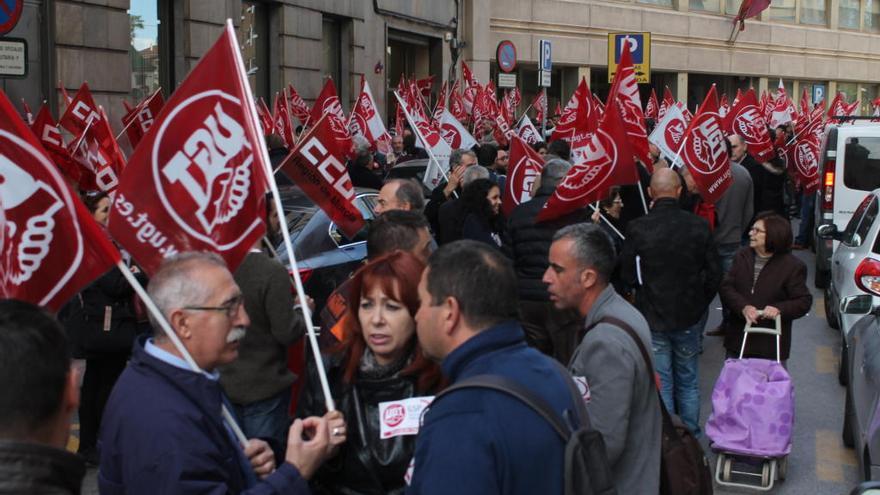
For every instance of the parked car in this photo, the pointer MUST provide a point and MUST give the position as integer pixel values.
(412, 169)
(325, 256)
(861, 414)
(850, 167)
(858, 245)
(867, 488)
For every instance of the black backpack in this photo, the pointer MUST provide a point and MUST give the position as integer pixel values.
(586, 462)
(684, 468)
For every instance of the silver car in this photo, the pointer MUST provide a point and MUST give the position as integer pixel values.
(856, 258)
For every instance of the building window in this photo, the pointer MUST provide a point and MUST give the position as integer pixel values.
(732, 6)
(332, 50)
(707, 5)
(848, 13)
(872, 15)
(813, 12)
(664, 3)
(144, 51)
(783, 10)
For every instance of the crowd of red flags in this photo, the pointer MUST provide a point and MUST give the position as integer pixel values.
(197, 175)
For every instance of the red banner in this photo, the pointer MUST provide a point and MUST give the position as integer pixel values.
(139, 120)
(366, 121)
(328, 103)
(577, 119)
(525, 166)
(281, 117)
(705, 150)
(50, 248)
(79, 112)
(668, 101)
(652, 109)
(197, 181)
(745, 119)
(607, 161)
(47, 133)
(626, 89)
(318, 167)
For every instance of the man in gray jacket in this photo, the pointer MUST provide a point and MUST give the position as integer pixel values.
(622, 400)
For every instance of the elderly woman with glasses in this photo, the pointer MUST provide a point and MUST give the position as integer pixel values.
(765, 277)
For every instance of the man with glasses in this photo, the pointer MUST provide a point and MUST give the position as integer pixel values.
(163, 429)
(258, 383)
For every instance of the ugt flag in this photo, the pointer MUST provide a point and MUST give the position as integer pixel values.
(50, 248)
(366, 121)
(197, 181)
(525, 166)
(705, 151)
(745, 119)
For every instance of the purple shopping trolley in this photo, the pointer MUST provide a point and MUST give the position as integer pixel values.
(752, 418)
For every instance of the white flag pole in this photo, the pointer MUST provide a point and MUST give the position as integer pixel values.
(602, 216)
(288, 245)
(415, 129)
(169, 332)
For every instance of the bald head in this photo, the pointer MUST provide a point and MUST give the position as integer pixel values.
(664, 184)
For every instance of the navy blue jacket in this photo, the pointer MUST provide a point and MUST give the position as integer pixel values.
(162, 432)
(479, 441)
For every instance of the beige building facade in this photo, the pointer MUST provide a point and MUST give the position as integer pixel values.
(126, 49)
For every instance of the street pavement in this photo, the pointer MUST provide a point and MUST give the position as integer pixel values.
(819, 463)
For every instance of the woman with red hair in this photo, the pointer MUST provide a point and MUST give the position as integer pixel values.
(379, 360)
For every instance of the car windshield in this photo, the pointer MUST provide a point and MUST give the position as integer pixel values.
(861, 163)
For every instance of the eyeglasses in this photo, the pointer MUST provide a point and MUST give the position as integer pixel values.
(756, 230)
(231, 307)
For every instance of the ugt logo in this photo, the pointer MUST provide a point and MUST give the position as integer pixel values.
(203, 171)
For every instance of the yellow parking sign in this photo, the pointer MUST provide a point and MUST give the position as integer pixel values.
(639, 48)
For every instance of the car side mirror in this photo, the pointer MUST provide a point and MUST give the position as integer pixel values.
(856, 240)
(829, 231)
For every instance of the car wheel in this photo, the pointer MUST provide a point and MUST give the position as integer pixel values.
(843, 367)
(831, 311)
(848, 413)
(822, 278)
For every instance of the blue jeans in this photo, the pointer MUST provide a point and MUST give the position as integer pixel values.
(267, 418)
(677, 358)
(726, 252)
(805, 229)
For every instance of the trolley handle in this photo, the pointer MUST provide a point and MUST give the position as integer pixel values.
(775, 330)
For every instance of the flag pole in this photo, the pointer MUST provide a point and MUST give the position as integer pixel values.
(642, 195)
(175, 340)
(427, 148)
(276, 196)
(602, 216)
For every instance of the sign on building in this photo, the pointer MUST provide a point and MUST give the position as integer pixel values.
(639, 48)
(545, 63)
(13, 57)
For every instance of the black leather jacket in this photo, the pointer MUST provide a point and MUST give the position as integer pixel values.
(34, 468)
(365, 464)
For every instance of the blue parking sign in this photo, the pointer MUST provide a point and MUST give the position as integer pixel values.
(636, 46)
(546, 63)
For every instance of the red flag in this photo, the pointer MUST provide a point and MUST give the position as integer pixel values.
(804, 159)
(606, 161)
(724, 106)
(318, 167)
(525, 165)
(471, 89)
(399, 121)
(668, 101)
(197, 181)
(328, 102)
(805, 104)
(283, 124)
(366, 121)
(456, 104)
(424, 86)
(437, 147)
(47, 133)
(852, 108)
(748, 9)
(746, 120)
(626, 89)
(540, 106)
(28, 113)
(515, 100)
(441, 103)
(652, 109)
(96, 149)
(838, 106)
(267, 124)
(50, 248)
(66, 97)
(298, 106)
(577, 119)
(79, 112)
(705, 150)
(138, 120)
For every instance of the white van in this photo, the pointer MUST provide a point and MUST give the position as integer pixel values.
(850, 170)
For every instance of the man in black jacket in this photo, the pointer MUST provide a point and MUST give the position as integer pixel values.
(671, 260)
(527, 243)
(459, 161)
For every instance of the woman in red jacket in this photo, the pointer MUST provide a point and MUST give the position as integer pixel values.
(766, 277)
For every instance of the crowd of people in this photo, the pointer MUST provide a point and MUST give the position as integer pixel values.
(451, 290)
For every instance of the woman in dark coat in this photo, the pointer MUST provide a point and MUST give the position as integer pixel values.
(483, 220)
(102, 326)
(766, 277)
(378, 361)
